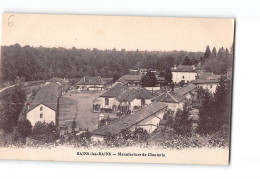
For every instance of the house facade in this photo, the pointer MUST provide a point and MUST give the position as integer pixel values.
(120, 99)
(209, 84)
(92, 83)
(186, 73)
(147, 118)
(44, 106)
(173, 100)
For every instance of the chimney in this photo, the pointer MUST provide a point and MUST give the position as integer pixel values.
(193, 67)
(175, 67)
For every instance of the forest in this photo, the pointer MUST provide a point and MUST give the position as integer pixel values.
(40, 63)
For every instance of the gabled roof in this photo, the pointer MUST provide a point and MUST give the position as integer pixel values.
(57, 79)
(169, 97)
(140, 93)
(186, 89)
(207, 75)
(204, 81)
(184, 68)
(131, 78)
(118, 91)
(90, 80)
(47, 95)
(126, 122)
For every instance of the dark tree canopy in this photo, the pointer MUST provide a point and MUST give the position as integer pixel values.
(40, 63)
(149, 80)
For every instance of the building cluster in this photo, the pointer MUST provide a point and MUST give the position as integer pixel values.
(135, 106)
(44, 105)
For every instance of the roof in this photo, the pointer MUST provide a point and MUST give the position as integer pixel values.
(169, 97)
(128, 121)
(186, 89)
(184, 68)
(131, 78)
(140, 93)
(59, 80)
(204, 81)
(207, 75)
(90, 80)
(118, 91)
(47, 95)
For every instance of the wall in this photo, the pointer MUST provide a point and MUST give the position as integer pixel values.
(97, 138)
(210, 86)
(188, 76)
(137, 102)
(49, 115)
(112, 101)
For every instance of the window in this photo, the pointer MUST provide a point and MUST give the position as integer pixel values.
(210, 86)
(182, 77)
(106, 101)
(41, 108)
(41, 115)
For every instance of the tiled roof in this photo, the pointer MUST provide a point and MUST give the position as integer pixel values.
(186, 89)
(184, 68)
(47, 95)
(203, 81)
(126, 122)
(169, 97)
(118, 91)
(207, 75)
(131, 78)
(140, 93)
(90, 80)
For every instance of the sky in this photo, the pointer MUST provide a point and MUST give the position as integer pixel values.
(108, 32)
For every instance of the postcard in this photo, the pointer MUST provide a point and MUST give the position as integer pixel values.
(116, 88)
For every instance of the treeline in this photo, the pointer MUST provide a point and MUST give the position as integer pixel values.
(43, 63)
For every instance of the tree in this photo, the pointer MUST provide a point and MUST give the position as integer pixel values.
(12, 107)
(115, 77)
(73, 127)
(207, 53)
(149, 80)
(168, 75)
(45, 132)
(168, 116)
(24, 128)
(214, 53)
(181, 124)
(206, 114)
(187, 61)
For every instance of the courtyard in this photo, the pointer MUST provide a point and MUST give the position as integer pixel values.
(76, 105)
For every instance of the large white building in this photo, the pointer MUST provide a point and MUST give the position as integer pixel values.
(186, 73)
(44, 105)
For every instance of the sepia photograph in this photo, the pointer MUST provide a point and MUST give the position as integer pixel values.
(116, 88)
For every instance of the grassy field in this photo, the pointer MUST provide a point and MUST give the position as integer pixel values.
(79, 106)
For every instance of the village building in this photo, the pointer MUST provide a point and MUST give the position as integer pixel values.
(172, 99)
(131, 80)
(110, 100)
(120, 99)
(185, 73)
(44, 106)
(93, 83)
(134, 100)
(187, 91)
(147, 118)
(209, 84)
(64, 83)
